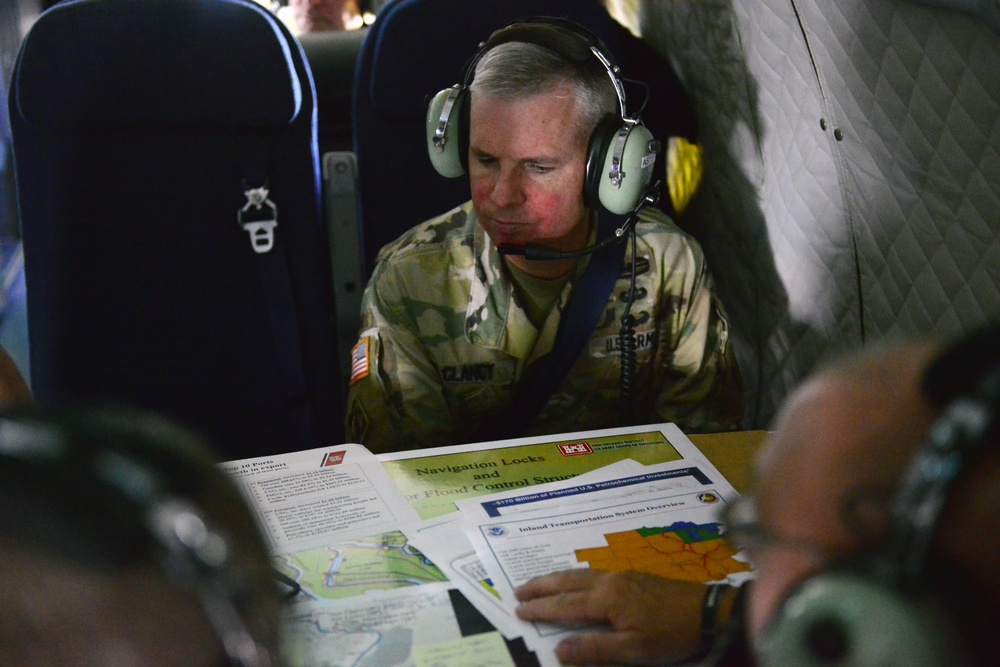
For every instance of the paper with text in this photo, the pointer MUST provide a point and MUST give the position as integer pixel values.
(315, 497)
(663, 521)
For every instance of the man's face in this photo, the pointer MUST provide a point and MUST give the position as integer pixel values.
(801, 529)
(824, 487)
(318, 15)
(526, 169)
(838, 433)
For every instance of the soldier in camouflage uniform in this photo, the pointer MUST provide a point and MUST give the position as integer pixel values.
(449, 325)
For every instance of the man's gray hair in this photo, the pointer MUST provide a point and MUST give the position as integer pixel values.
(516, 70)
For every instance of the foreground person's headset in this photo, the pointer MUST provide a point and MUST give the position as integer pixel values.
(111, 491)
(891, 606)
(621, 151)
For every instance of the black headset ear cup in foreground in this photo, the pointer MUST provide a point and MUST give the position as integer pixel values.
(842, 619)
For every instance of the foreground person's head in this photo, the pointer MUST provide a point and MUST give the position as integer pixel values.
(857, 560)
(124, 545)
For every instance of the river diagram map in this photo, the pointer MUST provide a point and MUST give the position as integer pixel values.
(377, 563)
(378, 602)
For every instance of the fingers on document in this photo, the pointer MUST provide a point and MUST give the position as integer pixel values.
(558, 582)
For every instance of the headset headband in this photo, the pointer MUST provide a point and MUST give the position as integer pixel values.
(570, 40)
(962, 430)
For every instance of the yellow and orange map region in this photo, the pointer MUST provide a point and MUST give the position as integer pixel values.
(683, 551)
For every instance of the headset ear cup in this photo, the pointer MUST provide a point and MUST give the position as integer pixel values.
(446, 112)
(597, 150)
(632, 145)
(842, 618)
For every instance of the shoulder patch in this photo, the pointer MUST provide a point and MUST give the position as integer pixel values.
(360, 362)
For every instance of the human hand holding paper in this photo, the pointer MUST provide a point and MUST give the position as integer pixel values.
(641, 618)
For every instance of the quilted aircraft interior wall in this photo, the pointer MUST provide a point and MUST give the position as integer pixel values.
(852, 181)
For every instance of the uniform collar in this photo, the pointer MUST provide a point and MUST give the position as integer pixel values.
(494, 319)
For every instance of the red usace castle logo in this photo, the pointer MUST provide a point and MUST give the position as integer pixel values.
(333, 459)
(575, 449)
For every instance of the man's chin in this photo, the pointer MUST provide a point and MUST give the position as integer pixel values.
(507, 234)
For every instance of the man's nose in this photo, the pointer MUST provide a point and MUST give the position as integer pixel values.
(508, 188)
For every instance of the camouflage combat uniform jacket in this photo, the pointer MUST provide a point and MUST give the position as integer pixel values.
(444, 342)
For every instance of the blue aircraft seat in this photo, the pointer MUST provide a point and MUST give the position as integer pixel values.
(332, 55)
(416, 48)
(155, 145)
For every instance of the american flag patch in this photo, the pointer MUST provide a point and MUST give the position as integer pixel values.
(359, 360)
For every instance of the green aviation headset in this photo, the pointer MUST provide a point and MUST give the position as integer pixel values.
(621, 151)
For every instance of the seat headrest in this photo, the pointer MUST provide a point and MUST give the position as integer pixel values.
(157, 63)
(439, 38)
(411, 36)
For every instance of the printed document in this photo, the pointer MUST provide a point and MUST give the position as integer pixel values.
(433, 480)
(398, 555)
(310, 498)
(662, 521)
(445, 542)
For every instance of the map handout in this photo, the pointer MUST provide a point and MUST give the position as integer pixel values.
(433, 480)
(314, 497)
(444, 540)
(415, 626)
(340, 520)
(332, 517)
(662, 521)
